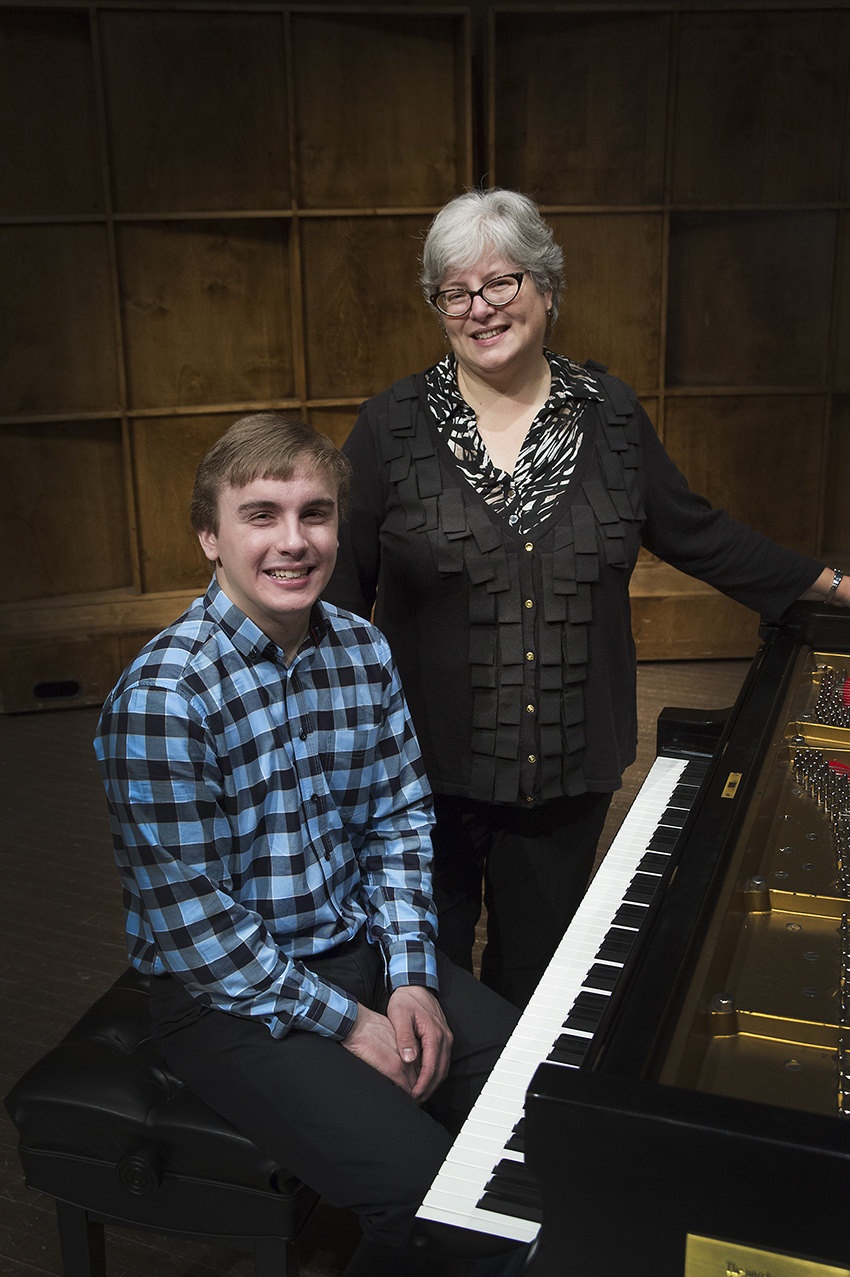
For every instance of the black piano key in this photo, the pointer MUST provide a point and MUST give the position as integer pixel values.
(515, 1172)
(691, 781)
(508, 1190)
(512, 1184)
(504, 1206)
(517, 1141)
(663, 840)
(683, 802)
(581, 1023)
(629, 916)
(673, 818)
(587, 1010)
(654, 862)
(641, 889)
(616, 946)
(568, 1050)
(601, 977)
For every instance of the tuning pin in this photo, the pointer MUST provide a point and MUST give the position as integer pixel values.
(843, 1079)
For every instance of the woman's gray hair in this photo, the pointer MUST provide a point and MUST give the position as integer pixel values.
(505, 222)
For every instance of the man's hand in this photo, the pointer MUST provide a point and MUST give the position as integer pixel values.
(373, 1040)
(424, 1039)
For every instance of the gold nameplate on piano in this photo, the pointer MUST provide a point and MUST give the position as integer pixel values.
(730, 789)
(708, 1257)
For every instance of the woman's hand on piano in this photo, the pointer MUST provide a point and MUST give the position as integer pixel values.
(423, 1036)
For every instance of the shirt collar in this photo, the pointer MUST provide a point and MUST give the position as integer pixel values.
(569, 381)
(247, 637)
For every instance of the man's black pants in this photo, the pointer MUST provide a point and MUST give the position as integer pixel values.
(336, 1122)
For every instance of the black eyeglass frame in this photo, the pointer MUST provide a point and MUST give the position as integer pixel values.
(518, 275)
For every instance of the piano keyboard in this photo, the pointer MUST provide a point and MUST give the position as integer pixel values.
(483, 1184)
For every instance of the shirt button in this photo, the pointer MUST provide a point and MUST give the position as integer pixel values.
(529, 656)
(529, 602)
(529, 545)
(532, 758)
(528, 798)
(530, 709)
(302, 735)
(514, 518)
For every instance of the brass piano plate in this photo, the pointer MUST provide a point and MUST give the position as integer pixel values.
(761, 1019)
(710, 1257)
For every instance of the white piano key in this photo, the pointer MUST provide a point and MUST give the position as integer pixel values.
(480, 1221)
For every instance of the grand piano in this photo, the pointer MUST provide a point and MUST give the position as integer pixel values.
(674, 1100)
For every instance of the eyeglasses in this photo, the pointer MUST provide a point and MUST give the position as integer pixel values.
(496, 292)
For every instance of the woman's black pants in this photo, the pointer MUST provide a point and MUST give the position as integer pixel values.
(535, 865)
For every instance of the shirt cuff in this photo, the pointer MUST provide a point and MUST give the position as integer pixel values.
(412, 962)
(331, 1014)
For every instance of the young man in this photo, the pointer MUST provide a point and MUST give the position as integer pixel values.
(271, 821)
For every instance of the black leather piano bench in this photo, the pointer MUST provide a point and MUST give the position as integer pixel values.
(115, 1138)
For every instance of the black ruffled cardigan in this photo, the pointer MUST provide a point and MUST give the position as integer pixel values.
(516, 651)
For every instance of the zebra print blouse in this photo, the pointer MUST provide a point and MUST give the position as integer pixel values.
(548, 455)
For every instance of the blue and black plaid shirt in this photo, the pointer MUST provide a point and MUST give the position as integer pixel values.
(264, 813)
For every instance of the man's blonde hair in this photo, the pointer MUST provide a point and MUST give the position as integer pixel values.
(264, 445)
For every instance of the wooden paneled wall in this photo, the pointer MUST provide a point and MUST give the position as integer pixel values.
(207, 212)
(694, 161)
(204, 211)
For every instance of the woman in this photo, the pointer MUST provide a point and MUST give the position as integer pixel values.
(499, 503)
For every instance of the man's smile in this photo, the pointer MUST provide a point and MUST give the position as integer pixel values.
(287, 574)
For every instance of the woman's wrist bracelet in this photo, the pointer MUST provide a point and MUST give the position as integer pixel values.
(837, 576)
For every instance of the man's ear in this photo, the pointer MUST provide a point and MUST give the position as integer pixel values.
(209, 544)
